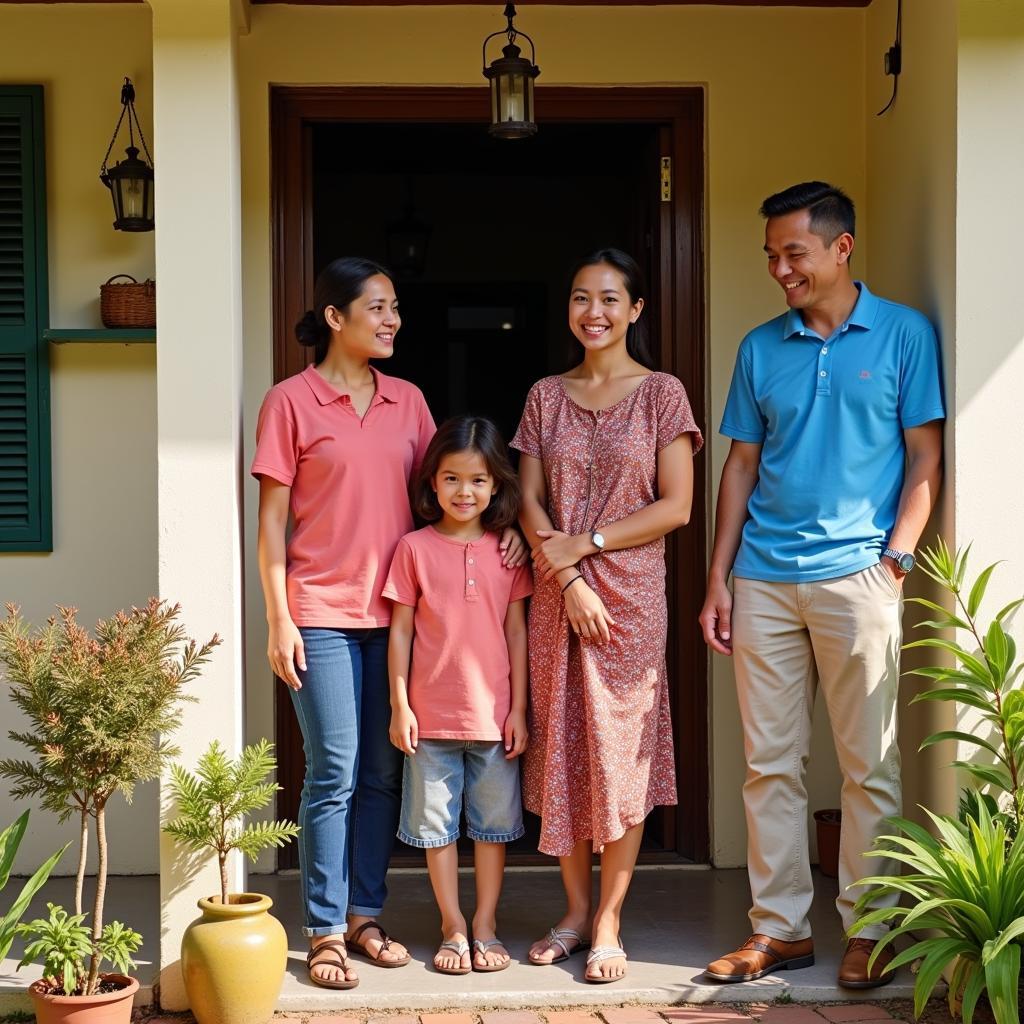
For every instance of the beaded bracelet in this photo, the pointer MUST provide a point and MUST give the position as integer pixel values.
(571, 582)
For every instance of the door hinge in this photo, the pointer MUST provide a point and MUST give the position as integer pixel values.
(666, 179)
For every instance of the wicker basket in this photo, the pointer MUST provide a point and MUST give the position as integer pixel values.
(128, 305)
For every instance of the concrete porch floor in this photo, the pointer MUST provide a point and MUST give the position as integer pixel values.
(677, 919)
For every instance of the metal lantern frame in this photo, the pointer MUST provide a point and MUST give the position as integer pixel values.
(511, 77)
(131, 173)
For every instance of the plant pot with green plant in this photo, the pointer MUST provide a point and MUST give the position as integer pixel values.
(99, 711)
(964, 886)
(233, 957)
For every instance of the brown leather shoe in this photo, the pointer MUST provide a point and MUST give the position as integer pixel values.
(853, 971)
(760, 955)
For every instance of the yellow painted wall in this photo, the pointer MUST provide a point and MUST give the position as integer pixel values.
(988, 504)
(103, 397)
(784, 103)
(911, 220)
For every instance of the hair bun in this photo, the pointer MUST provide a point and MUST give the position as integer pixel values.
(308, 329)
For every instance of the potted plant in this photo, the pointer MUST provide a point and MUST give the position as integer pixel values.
(10, 840)
(233, 958)
(99, 710)
(966, 883)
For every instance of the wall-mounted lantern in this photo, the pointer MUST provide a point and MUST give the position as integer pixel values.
(130, 181)
(511, 77)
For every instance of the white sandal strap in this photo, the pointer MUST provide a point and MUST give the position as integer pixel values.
(461, 946)
(557, 937)
(482, 945)
(600, 953)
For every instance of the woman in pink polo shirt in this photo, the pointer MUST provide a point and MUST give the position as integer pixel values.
(336, 446)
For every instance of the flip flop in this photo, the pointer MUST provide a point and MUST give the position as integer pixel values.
(557, 937)
(481, 946)
(458, 946)
(313, 959)
(359, 948)
(597, 955)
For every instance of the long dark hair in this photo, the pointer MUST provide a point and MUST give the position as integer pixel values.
(637, 341)
(339, 284)
(472, 434)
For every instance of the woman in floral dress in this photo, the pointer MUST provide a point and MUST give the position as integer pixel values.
(607, 472)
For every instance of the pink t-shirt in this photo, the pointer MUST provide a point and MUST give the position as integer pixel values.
(349, 480)
(459, 683)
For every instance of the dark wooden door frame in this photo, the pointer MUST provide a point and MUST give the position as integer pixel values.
(295, 109)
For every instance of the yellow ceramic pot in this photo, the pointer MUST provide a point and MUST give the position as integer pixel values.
(233, 959)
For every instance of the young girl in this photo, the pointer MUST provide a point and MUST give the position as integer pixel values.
(461, 716)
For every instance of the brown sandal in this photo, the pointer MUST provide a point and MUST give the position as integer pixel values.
(357, 947)
(339, 950)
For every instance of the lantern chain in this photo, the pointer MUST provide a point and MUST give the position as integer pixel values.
(127, 106)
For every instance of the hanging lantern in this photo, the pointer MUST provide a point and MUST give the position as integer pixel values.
(511, 77)
(130, 181)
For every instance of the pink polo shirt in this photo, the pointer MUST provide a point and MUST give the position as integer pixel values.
(459, 683)
(349, 480)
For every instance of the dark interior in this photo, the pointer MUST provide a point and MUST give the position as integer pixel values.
(503, 221)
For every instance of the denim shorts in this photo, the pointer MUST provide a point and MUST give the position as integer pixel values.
(440, 774)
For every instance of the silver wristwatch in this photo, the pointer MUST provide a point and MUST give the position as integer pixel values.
(904, 560)
(597, 539)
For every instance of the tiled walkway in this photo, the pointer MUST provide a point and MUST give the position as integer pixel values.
(747, 1013)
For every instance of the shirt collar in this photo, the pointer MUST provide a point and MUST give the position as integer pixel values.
(325, 393)
(862, 315)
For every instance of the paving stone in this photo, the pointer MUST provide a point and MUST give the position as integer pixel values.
(447, 1018)
(849, 1012)
(397, 1019)
(630, 1015)
(510, 1017)
(704, 1014)
(324, 1019)
(571, 1017)
(790, 1013)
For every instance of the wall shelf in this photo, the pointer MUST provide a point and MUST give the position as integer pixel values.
(94, 335)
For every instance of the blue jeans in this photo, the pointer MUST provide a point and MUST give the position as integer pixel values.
(443, 776)
(352, 792)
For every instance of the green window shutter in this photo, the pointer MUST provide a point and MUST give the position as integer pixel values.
(25, 492)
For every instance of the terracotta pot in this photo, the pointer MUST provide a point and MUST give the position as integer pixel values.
(106, 1008)
(829, 826)
(233, 959)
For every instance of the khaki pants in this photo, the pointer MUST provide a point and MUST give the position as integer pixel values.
(787, 637)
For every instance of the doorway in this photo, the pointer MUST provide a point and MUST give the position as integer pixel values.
(481, 233)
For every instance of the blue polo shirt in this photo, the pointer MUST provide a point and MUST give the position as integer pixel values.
(830, 415)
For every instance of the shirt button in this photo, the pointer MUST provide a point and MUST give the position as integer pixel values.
(471, 582)
(823, 374)
(824, 351)
(469, 561)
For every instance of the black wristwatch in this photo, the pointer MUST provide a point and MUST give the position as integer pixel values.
(904, 560)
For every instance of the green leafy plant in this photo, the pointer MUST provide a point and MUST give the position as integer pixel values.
(63, 944)
(10, 840)
(966, 883)
(99, 710)
(213, 804)
(982, 678)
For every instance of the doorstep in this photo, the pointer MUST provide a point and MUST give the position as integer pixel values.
(677, 919)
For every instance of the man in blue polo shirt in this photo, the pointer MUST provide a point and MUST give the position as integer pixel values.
(835, 414)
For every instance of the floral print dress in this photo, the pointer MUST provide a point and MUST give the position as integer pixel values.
(601, 752)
